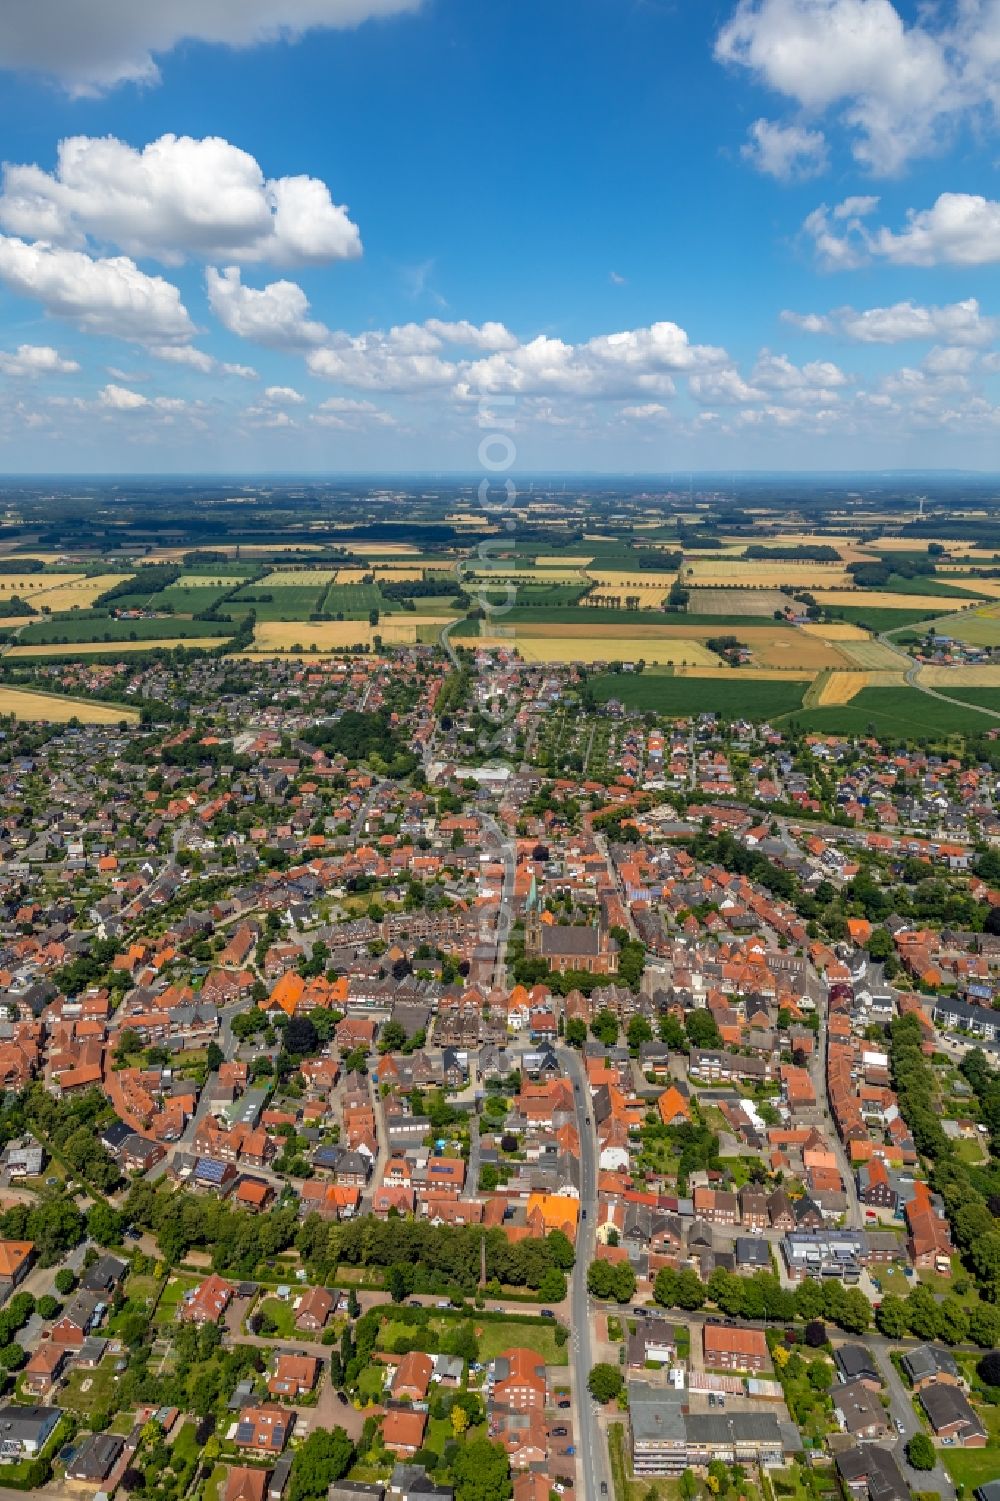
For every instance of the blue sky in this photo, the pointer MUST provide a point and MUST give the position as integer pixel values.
(347, 234)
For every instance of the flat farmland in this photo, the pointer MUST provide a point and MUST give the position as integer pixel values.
(764, 573)
(975, 627)
(28, 585)
(902, 712)
(980, 588)
(623, 581)
(605, 648)
(354, 600)
(775, 646)
(885, 599)
(114, 648)
(733, 698)
(300, 578)
(836, 688)
(724, 602)
(347, 576)
(872, 655)
(291, 603)
(835, 630)
(54, 708)
(746, 674)
(945, 678)
(87, 628)
(334, 635)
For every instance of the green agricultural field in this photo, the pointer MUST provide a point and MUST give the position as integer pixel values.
(191, 599)
(880, 619)
(674, 696)
(354, 601)
(976, 628)
(903, 713)
(988, 698)
(287, 602)
(927, 584)
(88, 627)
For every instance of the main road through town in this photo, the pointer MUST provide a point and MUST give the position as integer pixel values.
(591, 1446)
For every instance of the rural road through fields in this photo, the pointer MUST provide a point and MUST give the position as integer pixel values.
(592, 1454)
(912, 670)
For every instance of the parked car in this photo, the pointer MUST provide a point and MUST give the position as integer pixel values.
(564, 1404)
(559, 1432)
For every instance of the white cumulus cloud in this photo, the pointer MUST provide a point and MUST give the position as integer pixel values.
(276, 315)
(102, 296)
(36, 359)
(791, 153)
(959, 323)
(175, 198)
(100, 44)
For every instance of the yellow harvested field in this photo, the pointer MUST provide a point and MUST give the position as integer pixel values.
(751, 574)
(349, 576)
(989, 588)
(299, 578)
(883, 599)
(55, 708)
(336, 635)
(773, 646)
(873, 655)
(987, 676)
(836, 631)
(603, 649)
(10, 621)
(78, 596)
(622, 581)
(209, 581)
(740, 674)
(841, 687)
(114, 648)
(392, 574)
(27, 584)
(920, 544)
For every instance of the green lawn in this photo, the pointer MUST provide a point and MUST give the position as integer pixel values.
(972, 1467)
(173, 1296)
(541, 1337)
(282, 1315)
(100, 1390)
(371, 1382)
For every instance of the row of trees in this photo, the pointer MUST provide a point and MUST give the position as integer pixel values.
(763, 1297)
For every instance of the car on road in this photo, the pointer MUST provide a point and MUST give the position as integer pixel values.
(899, 1427)
(588, 1120)
(604, 1487)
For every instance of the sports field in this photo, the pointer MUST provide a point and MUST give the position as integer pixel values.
(54, 708)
